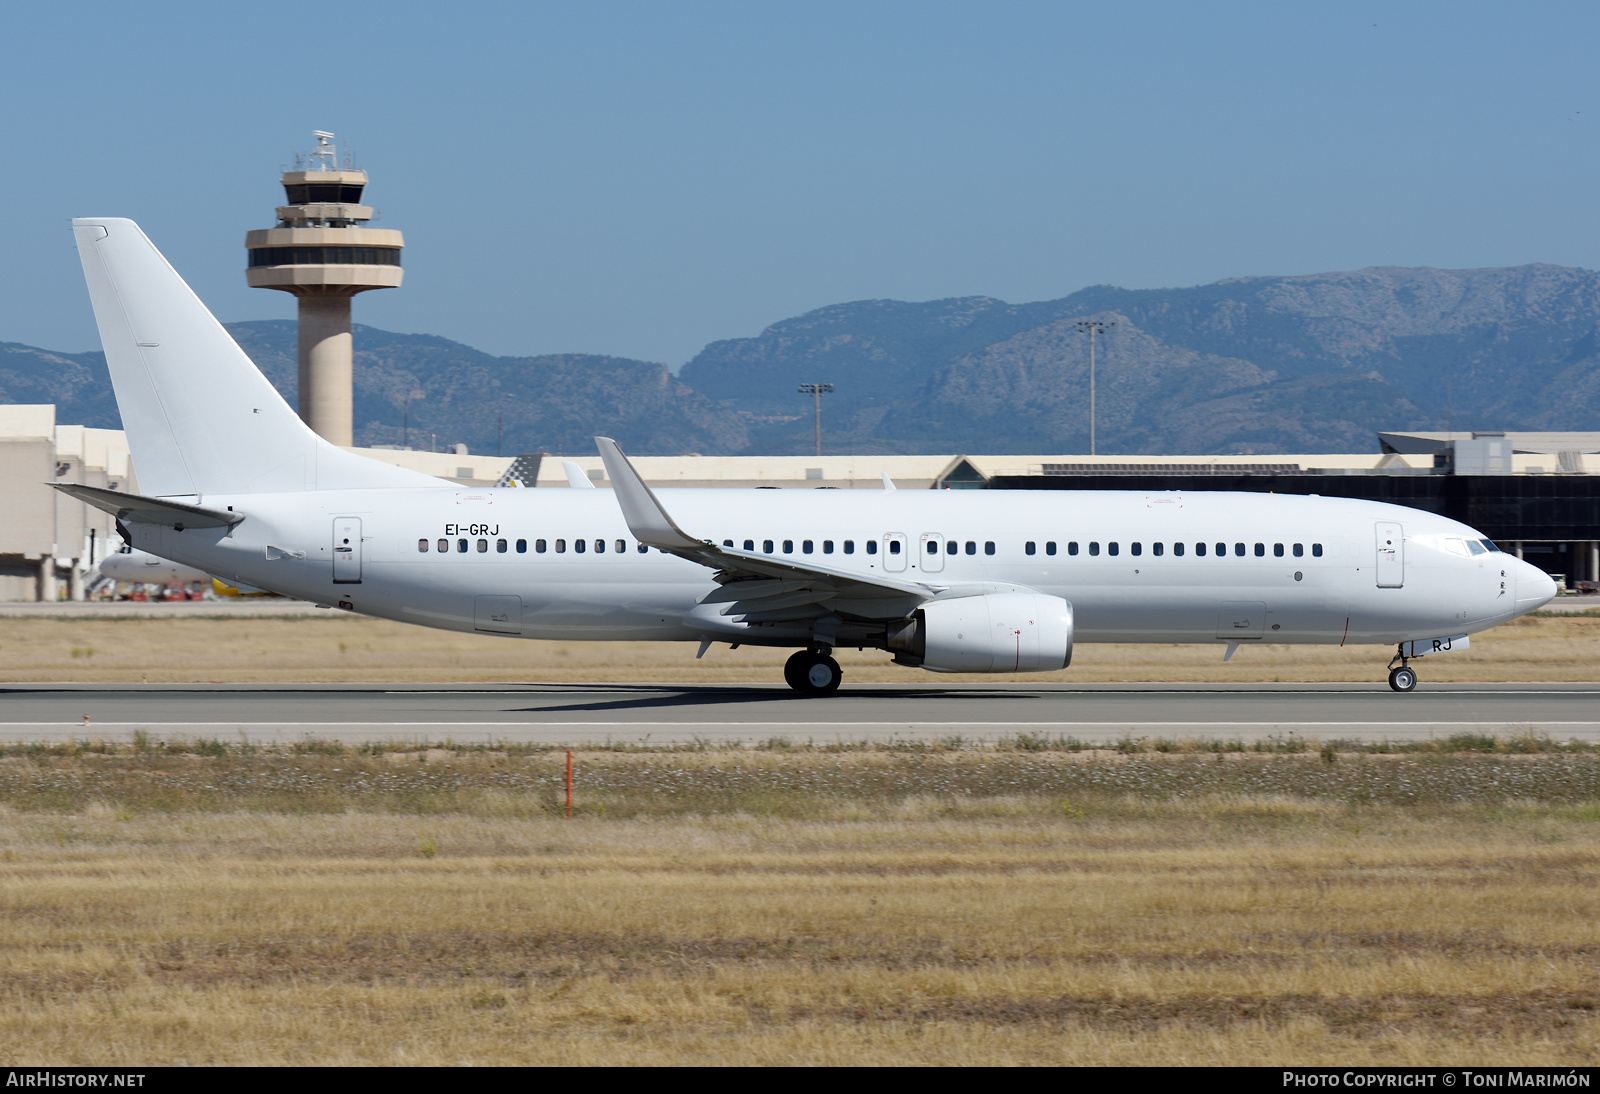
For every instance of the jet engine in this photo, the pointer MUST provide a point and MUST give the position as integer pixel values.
(995, 632)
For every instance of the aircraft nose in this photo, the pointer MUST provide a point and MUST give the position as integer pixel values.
(1535, 589)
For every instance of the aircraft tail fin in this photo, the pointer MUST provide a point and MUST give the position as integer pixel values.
(200, 417)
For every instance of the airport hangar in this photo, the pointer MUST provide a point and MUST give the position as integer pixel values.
(1535, 494)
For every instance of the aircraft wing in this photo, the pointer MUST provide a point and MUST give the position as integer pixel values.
(142, 510)
(759, 588)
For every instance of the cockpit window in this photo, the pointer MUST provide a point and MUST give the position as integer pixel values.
(1488, 545)
(1476, 548)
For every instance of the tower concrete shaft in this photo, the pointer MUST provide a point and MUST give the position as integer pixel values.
(321, 253)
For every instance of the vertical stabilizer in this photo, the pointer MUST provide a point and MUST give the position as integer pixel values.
(200, 417)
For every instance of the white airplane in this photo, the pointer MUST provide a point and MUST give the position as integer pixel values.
(143, 567)
(951, 581)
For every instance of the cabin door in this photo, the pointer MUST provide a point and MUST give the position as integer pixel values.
(347, 551)
(931, 559)
(1391, 555)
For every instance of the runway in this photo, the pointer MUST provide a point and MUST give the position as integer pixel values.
(592, 714)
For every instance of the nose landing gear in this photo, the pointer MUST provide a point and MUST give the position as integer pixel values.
(1402, 677)
(813, 672)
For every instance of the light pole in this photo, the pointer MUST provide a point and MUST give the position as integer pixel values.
(405, 420)
(1092, 327)
(817, 391)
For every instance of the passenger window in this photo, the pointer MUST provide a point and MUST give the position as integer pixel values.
(1157, 548)
(827, 546)
(1136, 549)
(972, 547)
(642, 549)
(1072, 547)
(788, 546)
(580, 545)
(725, 543)
(1261, 550)
(422, 545)
(749, 545)
(561, 546)
(952, 547)
(538, 546)
(522, 547)
(766, 545)
(1199, 550)
(988, 547)
(894, 546)
(849, 546)
(1299, 549)
(1094, 547)
(805, 547)
(1222, 549)
(1316, 550)
(1028, 548)
(1049, 546)
(933, 547)
(599, 546)
(461, 546)
(1111, 548)
(1277, 550)
(500, 546)
(483, 546)
(1238, 549)
(872, 547)
(622, 546)
(444, 545)
(1177, 550)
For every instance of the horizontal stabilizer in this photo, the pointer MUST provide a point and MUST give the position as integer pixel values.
(142, 510)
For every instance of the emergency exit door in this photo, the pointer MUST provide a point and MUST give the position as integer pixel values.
(894, 551)
(347, 551)
(1391, 555)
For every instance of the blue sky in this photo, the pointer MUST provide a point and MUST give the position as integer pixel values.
(642, 178)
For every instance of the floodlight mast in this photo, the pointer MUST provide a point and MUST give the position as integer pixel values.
(1093, 327)
(817, 391)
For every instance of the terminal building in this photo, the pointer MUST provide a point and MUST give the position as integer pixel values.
(50, 544)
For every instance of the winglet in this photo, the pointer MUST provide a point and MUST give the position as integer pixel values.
(575, 476)
(646, 517)
(888, 483)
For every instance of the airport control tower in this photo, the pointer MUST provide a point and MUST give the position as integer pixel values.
(321, 252)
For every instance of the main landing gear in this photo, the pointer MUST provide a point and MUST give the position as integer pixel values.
(1402, 677)
(813, 672)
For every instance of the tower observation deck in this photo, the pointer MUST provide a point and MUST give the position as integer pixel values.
(322, 252)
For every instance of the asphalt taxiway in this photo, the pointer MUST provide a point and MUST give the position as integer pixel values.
(581, 714)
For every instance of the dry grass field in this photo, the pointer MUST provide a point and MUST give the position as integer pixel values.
(206, 904)
(334, 647)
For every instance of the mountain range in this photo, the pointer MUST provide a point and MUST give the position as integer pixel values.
(1314, 363)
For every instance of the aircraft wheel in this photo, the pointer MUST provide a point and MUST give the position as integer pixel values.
(1402, 679)
(813, 673)
(794, 670)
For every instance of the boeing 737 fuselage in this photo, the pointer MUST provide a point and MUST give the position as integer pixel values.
(234, 484)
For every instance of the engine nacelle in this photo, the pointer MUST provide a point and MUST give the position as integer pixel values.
(996, 632)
